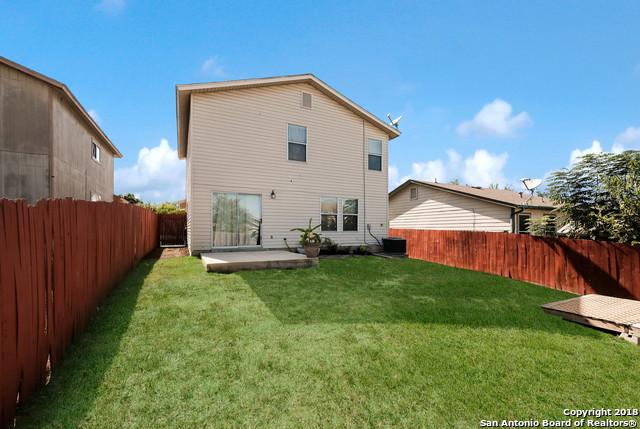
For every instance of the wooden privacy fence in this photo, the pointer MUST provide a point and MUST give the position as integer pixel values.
(578, 266)
(172, 229)
(58, 260)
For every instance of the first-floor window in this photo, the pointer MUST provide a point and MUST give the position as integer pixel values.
(334, 210)
(523, 223)
(329, 213)
(350, 215)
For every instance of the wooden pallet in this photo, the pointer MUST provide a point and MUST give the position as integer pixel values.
(604, 312)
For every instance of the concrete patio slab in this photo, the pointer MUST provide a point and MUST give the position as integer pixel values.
(604, 312)
(229, 262)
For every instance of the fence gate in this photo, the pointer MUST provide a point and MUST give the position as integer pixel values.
(172, 229)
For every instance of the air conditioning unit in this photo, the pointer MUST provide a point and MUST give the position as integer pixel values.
(394, 245)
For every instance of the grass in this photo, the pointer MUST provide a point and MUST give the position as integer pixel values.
(355, 342)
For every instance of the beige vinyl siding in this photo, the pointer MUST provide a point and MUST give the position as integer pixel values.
(238, 143)
(435, 209)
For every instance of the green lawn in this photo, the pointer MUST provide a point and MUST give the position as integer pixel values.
(353, 343)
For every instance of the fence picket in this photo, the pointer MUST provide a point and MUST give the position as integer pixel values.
(578, 266)
(58, 260)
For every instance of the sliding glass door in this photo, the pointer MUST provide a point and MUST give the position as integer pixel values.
(236, 219)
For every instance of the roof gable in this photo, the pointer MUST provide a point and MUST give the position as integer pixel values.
(183, 95)
(497, 196)
(69, 96)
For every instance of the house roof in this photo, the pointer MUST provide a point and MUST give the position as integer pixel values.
(498, 196)
(183, 94)
(70, 97)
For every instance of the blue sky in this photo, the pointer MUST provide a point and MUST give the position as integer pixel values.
(489, 91)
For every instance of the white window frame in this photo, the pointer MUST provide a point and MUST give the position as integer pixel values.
(342, 214)
(305, 144)
(411, 197)
(369, 153)
(95, 157)
(337, 213)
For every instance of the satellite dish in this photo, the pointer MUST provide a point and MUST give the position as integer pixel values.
(531, 184)
(395, 121)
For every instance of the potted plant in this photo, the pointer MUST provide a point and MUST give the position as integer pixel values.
(310, 240)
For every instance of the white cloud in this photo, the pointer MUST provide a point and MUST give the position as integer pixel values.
(95, 116)
(212, 67)
(482, 168)
(111, 7)
(576, 154)
(628, 139)
(495, 119)
(157, 176)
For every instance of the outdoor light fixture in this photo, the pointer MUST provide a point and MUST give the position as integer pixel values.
(273, 194)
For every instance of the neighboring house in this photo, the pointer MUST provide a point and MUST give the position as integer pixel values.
(50, 147)
(426, 205)
(266, 155)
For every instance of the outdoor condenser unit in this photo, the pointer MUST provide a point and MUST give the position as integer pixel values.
(394, 245)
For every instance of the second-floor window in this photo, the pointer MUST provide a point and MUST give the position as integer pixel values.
(375, 155)
(297, 143)
(95, 151)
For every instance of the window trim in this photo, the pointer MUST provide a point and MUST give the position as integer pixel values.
(357, 215)
(518, 222)
(381, 154)
(98, 150)
(337, 213)
(411, 197)
(306, 144)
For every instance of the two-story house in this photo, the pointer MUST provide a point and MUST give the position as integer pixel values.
(50, 147)
(266, 155)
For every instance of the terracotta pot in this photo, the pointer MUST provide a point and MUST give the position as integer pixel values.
(312, 250)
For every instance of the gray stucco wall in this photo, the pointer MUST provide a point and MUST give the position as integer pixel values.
(24, 136)
(76, 174)
(36, 119)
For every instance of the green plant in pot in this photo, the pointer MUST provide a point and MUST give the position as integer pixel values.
(310, 240)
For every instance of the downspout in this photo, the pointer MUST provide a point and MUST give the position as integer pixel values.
(364, 185)
(514, 212)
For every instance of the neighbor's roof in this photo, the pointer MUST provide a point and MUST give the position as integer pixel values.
(183, 93)
(498, 196)
(70, 97)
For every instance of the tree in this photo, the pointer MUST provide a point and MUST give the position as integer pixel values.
(165, 208)
(131, 198)
(599, 197)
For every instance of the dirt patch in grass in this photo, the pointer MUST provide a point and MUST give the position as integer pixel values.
(169, 252)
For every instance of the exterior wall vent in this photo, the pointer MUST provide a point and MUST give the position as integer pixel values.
(306, 100)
